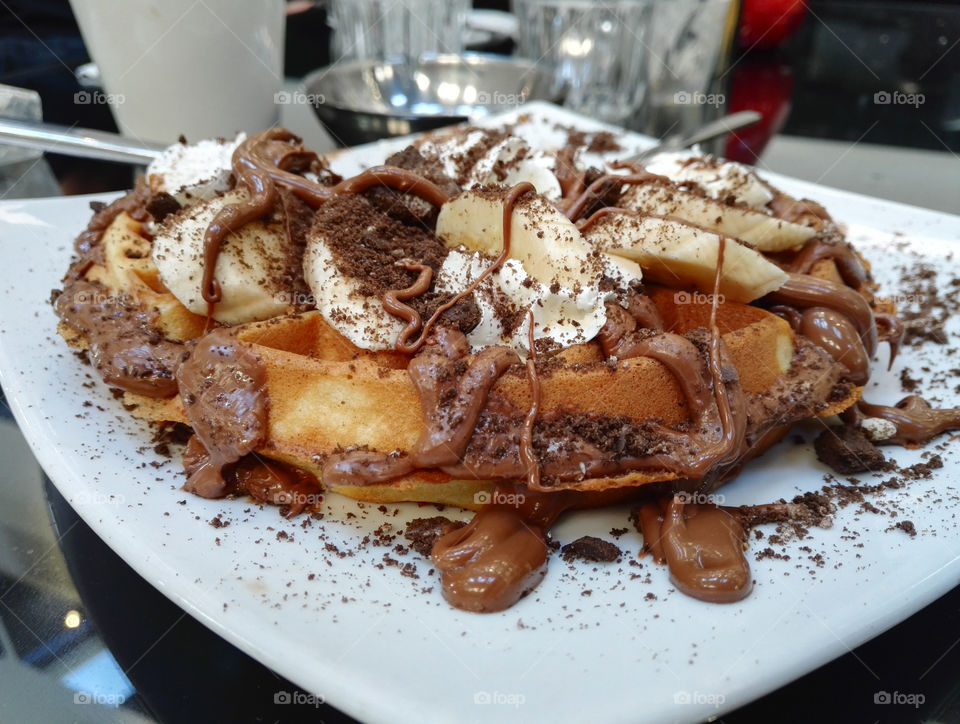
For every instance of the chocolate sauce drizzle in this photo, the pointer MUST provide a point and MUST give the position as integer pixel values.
(393, 302)
(701, 544)
(528, 455)
(124, 343)
(848, 264)
(591, 194)
(264, 161)
(803, 291)
(585, 224)
(222, 385)
(916, 421)
(501, 555)
(510, 201)
(262, 197)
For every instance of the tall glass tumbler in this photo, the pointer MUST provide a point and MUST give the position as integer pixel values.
(597, 50)
(396, 29)
(684, 45)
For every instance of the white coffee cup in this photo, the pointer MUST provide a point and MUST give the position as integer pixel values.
(172, 67)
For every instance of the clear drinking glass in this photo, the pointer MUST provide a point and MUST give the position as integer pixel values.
(396, 29)
(684, 46)
(596, 49)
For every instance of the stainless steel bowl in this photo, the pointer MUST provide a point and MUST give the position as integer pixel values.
(362, 101)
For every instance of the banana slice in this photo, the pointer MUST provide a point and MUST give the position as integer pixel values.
(677, 254)
(253, 267)
(760, 230)
(547, 244)
(535, 171)
(718, 178)
(484, 157)
(550, 269)
(358, 317)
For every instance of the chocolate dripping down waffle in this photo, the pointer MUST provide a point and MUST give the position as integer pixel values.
(481, 324)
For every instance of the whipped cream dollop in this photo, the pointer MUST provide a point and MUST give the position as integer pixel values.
(360, 318)
(718, 179)
(253, 265)
(481, 157)
(193, 172)
(564, 316)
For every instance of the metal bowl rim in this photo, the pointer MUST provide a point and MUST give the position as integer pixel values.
(478, 59)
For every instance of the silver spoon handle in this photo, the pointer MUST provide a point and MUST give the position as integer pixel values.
(721, 126)
(713, 129)
(83, 142)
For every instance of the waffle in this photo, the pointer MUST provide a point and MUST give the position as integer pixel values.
(125, 268)
(326, 394)
(563, 372)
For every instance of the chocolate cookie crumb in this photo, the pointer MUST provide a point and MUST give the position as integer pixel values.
(423, 532)
(590, 548)
(847, 450)
(161, 205)
(907, 527)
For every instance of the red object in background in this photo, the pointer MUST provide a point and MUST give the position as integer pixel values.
(760, 83)
(768, 23)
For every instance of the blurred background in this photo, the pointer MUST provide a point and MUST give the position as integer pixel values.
(882, 73)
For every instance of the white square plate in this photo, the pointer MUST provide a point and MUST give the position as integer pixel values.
(372, 642)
